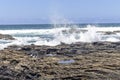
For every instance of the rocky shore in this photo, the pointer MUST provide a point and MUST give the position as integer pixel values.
(78, 61)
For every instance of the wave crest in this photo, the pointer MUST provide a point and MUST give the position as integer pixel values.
(68, 35)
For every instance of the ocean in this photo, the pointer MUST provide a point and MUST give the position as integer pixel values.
(52, 35)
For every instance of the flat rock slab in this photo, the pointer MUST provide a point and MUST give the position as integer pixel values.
(78, 61)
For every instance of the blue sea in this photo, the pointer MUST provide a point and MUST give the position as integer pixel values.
(54, 34)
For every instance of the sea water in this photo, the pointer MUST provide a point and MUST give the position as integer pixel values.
(52, 35)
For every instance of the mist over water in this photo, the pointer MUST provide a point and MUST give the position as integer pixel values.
(53, 35)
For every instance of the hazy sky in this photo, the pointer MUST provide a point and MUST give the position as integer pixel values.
(41, 11)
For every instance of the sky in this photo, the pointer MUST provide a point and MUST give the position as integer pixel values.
(44, 11)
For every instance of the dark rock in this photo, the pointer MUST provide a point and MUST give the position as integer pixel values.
(79, 77)
(62, 43)
(97, 71)
(28, 77)
(109, 33)
(36, 74)
(5, 78)
(51, 50)
(26, 48)
(25, 67)
(6, 37)
(74, 51)
(14, 62)
(42, 52)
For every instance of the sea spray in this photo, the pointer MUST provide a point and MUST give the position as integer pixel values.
(67, 33)
(90, 36)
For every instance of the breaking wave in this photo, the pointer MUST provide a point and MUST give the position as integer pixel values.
(54, 36)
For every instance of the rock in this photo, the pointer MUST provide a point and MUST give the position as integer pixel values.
(107, 32)
(6, 37)
(51, 50)
(14, 62)
(79, 77)
(78, 61)
(25, 67)
(97, 71)
(26, 48)
(117, 31)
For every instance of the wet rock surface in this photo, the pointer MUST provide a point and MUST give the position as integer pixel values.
(85, 61)
(6, 37)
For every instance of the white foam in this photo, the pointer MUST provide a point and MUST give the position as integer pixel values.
(62, 34)
(112, 39)
(103, 28)
(33, 31)
(90, 36)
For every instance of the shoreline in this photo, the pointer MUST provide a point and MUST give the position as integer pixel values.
(91, 61)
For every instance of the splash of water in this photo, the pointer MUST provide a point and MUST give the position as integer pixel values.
(59, 33)
(91, 35)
